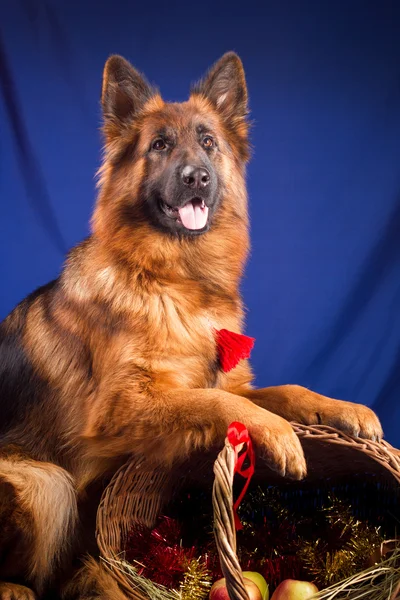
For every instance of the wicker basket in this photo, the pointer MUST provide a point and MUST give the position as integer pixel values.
(138, 492)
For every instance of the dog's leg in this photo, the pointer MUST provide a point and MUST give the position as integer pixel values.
(168, 426)
(14, 591)
(92, 582)
(37, 516)
(296, 403)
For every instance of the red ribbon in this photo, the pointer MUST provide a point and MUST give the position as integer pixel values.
(238, 436)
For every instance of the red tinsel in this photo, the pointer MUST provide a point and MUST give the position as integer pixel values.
(161, 555)
(232, 348)
(275, 570)
(158, 554)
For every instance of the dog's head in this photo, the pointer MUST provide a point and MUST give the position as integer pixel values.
(174, 164)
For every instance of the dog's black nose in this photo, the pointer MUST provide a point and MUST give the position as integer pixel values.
(195, 177)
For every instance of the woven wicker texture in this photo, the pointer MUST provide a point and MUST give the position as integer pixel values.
(138, 491)
(135, 495)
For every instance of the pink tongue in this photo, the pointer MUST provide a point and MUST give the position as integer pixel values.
(193, 216)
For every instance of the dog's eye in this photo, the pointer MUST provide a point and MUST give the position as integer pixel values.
(159, 144)
(208, 142)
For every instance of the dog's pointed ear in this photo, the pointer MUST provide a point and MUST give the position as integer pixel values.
(225, 86)
(124, 92)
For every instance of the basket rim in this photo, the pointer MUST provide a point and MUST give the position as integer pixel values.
(381, 451)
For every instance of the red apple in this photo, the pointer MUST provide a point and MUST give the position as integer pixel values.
(219, 590)
(259, 581)
(291, 589)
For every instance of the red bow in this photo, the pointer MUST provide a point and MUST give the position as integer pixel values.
(238, 436)
(232, 347)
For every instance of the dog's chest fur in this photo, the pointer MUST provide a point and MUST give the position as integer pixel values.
(174, 341)
(164, 327)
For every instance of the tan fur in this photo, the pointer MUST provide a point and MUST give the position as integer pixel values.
(124, 341)
(45, 494)
(93, 582)
(14, 591)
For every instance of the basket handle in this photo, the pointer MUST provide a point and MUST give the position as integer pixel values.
(224, 522)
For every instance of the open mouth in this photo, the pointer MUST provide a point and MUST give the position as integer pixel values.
(193, 215)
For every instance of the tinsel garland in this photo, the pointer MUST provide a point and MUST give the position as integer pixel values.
(196, 582)
(306, 534)
(325, 544)
(158, 554)
(356, 540)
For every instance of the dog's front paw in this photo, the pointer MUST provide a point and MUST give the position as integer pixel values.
(355, 419)
(278, 445)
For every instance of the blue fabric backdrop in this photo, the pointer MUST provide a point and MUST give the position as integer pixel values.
(323, 282)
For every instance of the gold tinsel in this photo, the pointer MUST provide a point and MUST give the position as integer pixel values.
(196, 582)
(358, 541)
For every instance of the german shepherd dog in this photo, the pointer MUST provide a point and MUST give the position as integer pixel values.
(118, 356)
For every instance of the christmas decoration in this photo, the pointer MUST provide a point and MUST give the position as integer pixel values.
(323, 535)
(381, 582)
(232, 348)
(158, 554)
(196, 581)
(352, 543)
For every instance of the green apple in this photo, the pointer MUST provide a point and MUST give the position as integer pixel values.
(291, 589)
(259, 581)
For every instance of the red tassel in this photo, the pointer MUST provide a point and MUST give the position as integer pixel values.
(232, 347)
